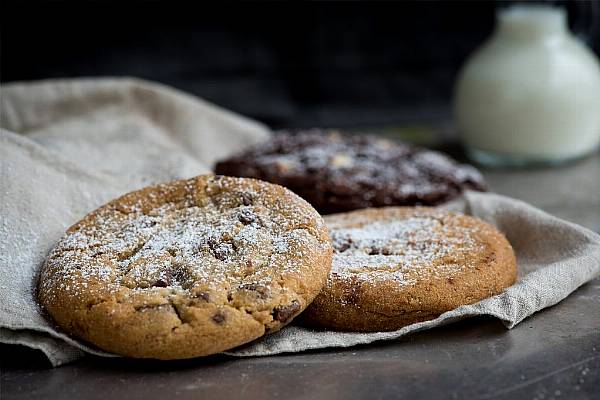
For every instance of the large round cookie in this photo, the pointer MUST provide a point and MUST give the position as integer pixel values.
(337, 173)
(187, 268)
(400, 265)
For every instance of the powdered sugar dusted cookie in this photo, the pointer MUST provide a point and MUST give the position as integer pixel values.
(399, 265)
(188, 268)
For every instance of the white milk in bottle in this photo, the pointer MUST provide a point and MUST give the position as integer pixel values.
(531, 94)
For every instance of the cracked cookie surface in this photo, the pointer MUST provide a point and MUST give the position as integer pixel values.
(338, 173)
(396, 266)
(188, 268)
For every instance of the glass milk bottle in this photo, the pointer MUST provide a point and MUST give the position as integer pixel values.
(531, 94)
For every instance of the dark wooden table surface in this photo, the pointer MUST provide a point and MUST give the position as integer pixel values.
(553, 354)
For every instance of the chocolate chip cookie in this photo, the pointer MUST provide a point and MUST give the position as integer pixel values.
(399, 265)
(188, 268)
(337, 173)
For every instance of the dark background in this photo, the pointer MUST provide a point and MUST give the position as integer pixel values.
(287, 64)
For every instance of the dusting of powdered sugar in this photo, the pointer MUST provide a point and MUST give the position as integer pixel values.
(402, 250)
(230, 239)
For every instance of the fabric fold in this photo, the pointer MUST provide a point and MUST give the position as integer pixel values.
(69, 146)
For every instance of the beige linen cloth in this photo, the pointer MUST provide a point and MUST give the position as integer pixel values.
(68, 146)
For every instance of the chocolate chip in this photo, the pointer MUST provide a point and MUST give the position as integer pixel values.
(181, 275)
(246, 199)
(343, 245)
(284, 313)
(262, 291)
(160, 283)
(247, 217)
(220, 253)
(219, 317)
(219, 250)
(379, 250)
(201, 295)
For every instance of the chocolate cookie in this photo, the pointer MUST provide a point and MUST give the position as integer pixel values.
(338, 173)
(188, 268)
(399, 265)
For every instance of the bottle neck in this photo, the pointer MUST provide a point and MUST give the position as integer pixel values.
(532, 22)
